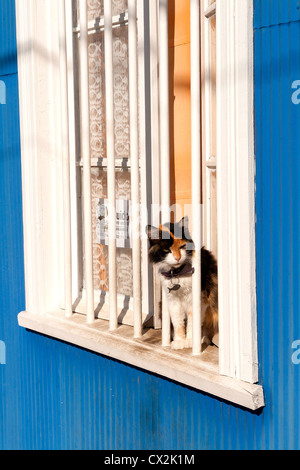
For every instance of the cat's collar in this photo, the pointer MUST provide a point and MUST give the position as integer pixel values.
(178, 272)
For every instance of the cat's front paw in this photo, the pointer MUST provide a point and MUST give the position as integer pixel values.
(206, 341)
(178, 344)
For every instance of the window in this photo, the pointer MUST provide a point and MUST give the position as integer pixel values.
(97, 86)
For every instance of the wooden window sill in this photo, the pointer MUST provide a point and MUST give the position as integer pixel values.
(200, 373)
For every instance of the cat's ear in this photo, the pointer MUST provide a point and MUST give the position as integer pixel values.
(184, 222)
(152, 232)
(183, 225)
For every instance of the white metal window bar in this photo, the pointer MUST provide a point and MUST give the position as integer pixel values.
(209, 130)
(85, 152)
(196, 170)
(164, 142)
(111, 181)
(135, 168)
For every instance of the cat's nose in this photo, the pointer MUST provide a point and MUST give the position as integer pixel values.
(177, 256)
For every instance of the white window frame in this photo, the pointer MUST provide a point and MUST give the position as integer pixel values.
(236, 190)
(235, 180)
(234, 379)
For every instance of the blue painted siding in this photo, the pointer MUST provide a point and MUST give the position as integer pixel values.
(275, 12)
(277, 66)
(8, 51)
(56, 396)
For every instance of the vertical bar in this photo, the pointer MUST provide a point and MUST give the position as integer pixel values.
(65, 159)
(206, 100)
(155, 145)
(164, 142)
(145, 151)
(74, 169)
(85, 155)
(135, 170)
(196, 169)
(208, 198)
(111, 181)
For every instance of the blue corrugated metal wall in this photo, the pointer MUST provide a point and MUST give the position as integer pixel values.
(277, 66)
(55, 396)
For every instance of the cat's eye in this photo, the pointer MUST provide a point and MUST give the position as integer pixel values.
(182, 247)
(166, 250)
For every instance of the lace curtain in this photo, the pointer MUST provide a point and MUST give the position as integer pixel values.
(98, 136)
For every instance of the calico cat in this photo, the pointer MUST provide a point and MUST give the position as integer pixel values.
(171, 250)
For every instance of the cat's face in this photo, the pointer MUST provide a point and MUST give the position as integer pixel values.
(170, 244)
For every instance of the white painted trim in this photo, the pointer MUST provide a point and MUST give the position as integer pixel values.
(77, 267)
(65, 148)
(40, 117)
(236, 173)
(194, 372)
